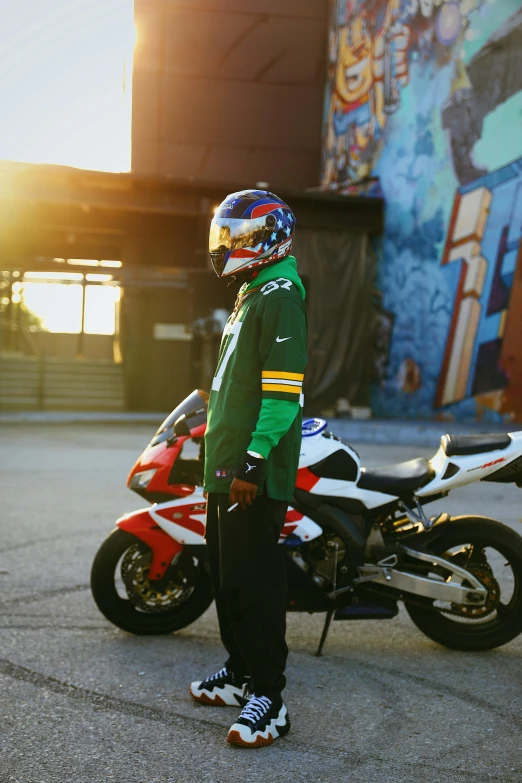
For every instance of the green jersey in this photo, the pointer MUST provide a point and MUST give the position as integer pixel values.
(262, 356)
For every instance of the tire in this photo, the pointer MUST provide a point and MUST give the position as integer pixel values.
(124, 613)
(503, 627)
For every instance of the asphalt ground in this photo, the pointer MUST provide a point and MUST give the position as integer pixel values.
(83, 702)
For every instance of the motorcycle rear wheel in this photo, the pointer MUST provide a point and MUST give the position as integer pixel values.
(131, 613)
(504, 621)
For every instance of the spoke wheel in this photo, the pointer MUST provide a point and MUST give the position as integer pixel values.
(123, 593)
(135, 566)
(492, 552)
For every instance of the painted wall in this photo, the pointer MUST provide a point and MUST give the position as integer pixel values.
(424, 103)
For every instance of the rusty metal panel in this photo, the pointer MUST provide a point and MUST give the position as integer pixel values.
(229, 91)
(315, 9)
(212, 112)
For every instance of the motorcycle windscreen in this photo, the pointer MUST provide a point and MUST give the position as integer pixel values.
(193, 405)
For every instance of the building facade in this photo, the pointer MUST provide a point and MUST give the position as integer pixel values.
(423, 105)
(229, 91)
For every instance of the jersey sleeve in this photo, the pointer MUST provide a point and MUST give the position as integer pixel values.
(282, 349)
(275, 419)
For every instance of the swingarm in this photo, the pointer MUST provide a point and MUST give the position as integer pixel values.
(433, 587)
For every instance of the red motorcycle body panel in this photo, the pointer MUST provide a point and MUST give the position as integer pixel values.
(183, 519)
(306, 479)
(140, 524)
(162, 458)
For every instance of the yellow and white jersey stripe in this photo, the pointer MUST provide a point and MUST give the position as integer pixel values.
(287, 382)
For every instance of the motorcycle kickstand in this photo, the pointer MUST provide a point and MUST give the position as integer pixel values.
(329, 615)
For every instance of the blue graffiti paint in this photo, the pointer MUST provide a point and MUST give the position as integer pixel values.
(454, 128)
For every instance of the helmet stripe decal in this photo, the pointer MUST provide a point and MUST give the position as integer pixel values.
(264, 209)
(243, 252)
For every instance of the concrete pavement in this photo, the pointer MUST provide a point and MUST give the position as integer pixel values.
(84, 702)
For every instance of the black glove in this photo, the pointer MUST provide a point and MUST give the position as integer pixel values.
(251, 469)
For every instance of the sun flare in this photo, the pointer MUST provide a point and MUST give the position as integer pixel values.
(66, 85)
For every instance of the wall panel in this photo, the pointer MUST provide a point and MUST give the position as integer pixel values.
(229, 91)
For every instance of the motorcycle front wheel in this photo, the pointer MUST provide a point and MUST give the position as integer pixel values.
(492, 552)
(124, 594)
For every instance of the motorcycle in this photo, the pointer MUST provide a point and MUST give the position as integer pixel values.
(356, 541)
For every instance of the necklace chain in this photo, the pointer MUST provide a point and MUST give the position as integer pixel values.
(240, 298)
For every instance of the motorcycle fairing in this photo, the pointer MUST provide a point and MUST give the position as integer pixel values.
(141, 524)
(160, 457)
(176, 523)
(319, 446)
(451, 471)
(184, 518)
(299, 526)
(317, 451)
(458, 470)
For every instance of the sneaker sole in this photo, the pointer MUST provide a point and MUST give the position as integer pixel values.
(235, 738)
(217, 701)
(221, 697)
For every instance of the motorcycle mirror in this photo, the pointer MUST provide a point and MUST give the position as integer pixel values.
(181, 427)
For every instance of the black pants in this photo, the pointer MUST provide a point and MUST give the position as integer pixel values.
(249, 576)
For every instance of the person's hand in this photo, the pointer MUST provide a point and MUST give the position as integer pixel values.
(242, 492)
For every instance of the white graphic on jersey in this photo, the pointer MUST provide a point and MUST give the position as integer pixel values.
(233, 332)
(250, 467)
(273, 285)
(269, 287)
(282, 339)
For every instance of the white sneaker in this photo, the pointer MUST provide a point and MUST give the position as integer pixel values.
(260, 723)
(220, 689)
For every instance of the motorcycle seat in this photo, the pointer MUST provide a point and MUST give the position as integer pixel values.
(399, 479)
(459, 445)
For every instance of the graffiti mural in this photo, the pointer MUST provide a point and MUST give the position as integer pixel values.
(424, 105)
(372, 46)
(483, 351)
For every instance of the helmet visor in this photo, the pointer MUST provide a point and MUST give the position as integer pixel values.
(235, 233)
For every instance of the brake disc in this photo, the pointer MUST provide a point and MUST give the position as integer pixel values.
(134, 573)
(486, 578)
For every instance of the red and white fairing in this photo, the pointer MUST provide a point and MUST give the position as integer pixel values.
(314, 449)
(297, 524)
(183, 520)
(167, 526)
(466, 470)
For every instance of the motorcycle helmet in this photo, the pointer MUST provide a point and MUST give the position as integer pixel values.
(250, 229)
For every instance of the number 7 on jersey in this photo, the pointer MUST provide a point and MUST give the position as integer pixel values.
(232, 337)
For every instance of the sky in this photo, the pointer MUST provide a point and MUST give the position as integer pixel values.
(65, 98)
(63, 68)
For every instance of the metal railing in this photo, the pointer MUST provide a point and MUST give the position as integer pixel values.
(17, 330)
(21, 331)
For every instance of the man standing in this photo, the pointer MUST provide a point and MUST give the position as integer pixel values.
(252, 446)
